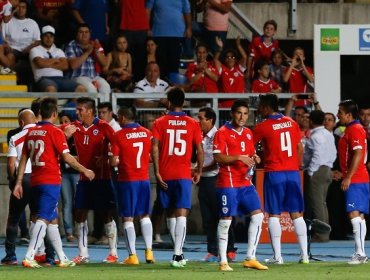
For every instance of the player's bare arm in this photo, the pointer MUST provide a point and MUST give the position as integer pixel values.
(18, 189)
(76, 165)
(200, 161)
(69, 130)
(357, 155)
(155, 159)
(226, 159)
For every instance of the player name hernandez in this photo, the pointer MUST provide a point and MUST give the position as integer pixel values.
(281, 125)
(176, 122)
(38, 132)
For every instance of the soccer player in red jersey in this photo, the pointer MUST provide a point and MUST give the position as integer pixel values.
(263, 46)
(92, 137)
(263, 84)
(282, 150)
(233, 149)
(352, 152)
(44, 144)
(131, 153)
(174, 136)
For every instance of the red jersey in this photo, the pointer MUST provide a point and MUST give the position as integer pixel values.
(44, 144)
(204, 84)
(133, 15)
(228, 141)
(259, 86)
(354, 138)
(231, 81)
(280, 136)
(92, 145)
(176, 133)
(132, 144)
(298, 83)
(259, 49)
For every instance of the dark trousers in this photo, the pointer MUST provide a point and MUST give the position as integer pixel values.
(169, 51)
(210, 217)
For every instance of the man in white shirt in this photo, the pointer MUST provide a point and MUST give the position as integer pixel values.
(48, 63)
(319, 155)
(105, 112)
(151, 84)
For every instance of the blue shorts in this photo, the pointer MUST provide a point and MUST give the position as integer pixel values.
(44, 201)
(178, 194)
(62, 84)
(357, 198)
(237, 201)
(95, 195)
(283, 192)
(134, 198)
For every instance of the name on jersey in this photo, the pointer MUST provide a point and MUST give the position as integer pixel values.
(281, 125)
(177, 122)
(133, 135)
(38, 133)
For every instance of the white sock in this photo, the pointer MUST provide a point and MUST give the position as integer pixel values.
(171, 224)
(37, 236)
(254, 233)
(130, 235)
(363, 235)
(275, 236)
(356, 225)
(223, 236)
(147, 231)
(180, 234)
(301, 232)
(82, 239)
(54, 237)
(111, 233)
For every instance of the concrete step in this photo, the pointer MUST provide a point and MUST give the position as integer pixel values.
(8, 122)
(19, 88)
(8, 80)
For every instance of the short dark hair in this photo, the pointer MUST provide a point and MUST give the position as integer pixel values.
(176, 96)
(301, 107)
(259, 64)
(350, 107)
(107, 105)
(88, 102)
(64, 114)
(35, 106)
(270, 22)
(127, 112)
(200, 45)
(269, 100)
(239, 103)
(27, 6)
(48, 106)
(317, 117)
(82, 25)
(331, 114)
(209, 114)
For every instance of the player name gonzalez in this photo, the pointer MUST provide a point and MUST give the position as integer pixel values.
(281, 125)
(177, 122)
(133, 135)
(38, 132)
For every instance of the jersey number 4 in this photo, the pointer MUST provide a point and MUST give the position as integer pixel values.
(37, 146)
(286, 143)
(175, 138)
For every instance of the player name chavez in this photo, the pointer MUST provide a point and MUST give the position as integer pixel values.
(281, 125)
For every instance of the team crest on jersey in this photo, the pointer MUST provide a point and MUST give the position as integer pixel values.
(236, 74)
(225, 210)
(249, 136)
(95, 131)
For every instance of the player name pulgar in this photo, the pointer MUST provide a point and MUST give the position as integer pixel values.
(176, 122)
(281, 125)
(37, 132)
(133, 135)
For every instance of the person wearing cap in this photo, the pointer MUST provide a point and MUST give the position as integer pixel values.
(48, 63)
(86, 59)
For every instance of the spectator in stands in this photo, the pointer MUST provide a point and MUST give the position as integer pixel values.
(263, 46)
(48, 63)
(231, 70)
(202, 74)
(134, 25)
(277, 68)
(20, 34)
(70, 179)
(95, 15)
(299, 110)
(319, 155)
(215, 21)
(171, 22)
(105, 112)
(118, 70)
(263, 83)
(86, 59)
(151, 50)
(151, 84)
(299, 77)
(56, 13)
